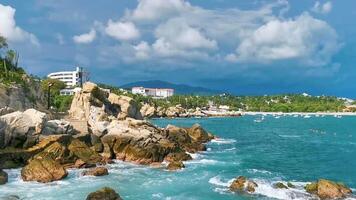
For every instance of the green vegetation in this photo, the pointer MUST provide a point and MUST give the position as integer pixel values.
(270, 103)
(9, 71)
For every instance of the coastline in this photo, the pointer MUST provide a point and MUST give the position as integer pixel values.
(301, 113)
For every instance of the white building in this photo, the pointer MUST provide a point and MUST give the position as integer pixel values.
(70, 78)
(154, 92)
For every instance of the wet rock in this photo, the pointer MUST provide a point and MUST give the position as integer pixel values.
(242, 184)
(83, 152)
(175, 165)
(179, 156)
(326, 189)
(98, 171)
(3, 177)
(290, 185)
(280, 185)
(43, 170)
(105, 193)
(197, 133)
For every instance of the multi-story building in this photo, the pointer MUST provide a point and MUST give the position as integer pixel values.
(70, 78)
(153, 92)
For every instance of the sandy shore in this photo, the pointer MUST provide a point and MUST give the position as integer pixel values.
(302, 114)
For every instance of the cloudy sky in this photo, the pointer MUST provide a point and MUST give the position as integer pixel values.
(241, 46)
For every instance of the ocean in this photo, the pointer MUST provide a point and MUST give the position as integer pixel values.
(267, 150)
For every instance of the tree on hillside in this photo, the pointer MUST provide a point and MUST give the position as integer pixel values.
(3, 43)
(57, 85)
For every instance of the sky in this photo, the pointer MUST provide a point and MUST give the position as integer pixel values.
(245, 47)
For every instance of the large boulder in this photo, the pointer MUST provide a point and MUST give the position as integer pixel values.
(326, 189)
(137, 141)
(3, 177)
(148, 111)
(98, 171)
(174, 111)
(128, 106)
(242, 184)
(105, 193)
(21, 129)
(57, 127)
(197, 133)
(43, 170)
(175, 165)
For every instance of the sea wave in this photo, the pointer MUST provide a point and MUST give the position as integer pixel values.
(289, 136)
(203, 161)
(216, 180)
(258, 171)
(223, 141)
(266, 188)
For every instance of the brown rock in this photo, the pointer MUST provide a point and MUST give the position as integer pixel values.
(43, 170)
(175, 165)
(238, 184)
(3, 177)
(105, 193)
(241, 184)
(179, 156)
(98, 171)
(331, 190)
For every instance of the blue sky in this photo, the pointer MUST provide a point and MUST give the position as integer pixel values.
(250, 47)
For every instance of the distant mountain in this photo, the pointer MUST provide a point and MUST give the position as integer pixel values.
(178, 88)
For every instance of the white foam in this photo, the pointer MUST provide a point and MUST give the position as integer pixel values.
(223, 141)
(289, 136)
(216, 180)
(203, 161)
(266, 188)
(255, 171)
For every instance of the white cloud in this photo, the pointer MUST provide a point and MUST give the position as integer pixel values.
(322, 8)
(179, 35)
(148, 10)
(143, 50)
(305, 38)
(10, 31)
(85, 38)
(122, 30)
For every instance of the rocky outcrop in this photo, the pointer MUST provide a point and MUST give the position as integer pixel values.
(242, 184)
(116, 123)
(43, 170)
(3, 177)
(128, 107)
(98, 171)
(57, 127)
(137, 141)
(148, 111)
(326, 189)
(22, 96)
(280, 185)
(175, 165)
(55, 154)
(105, 193)
(21, 129)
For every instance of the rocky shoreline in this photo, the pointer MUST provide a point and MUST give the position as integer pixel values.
(115, 129)
(46, 148)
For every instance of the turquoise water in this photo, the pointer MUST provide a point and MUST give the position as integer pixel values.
(291, 149)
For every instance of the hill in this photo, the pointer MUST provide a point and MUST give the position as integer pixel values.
(178, 88)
